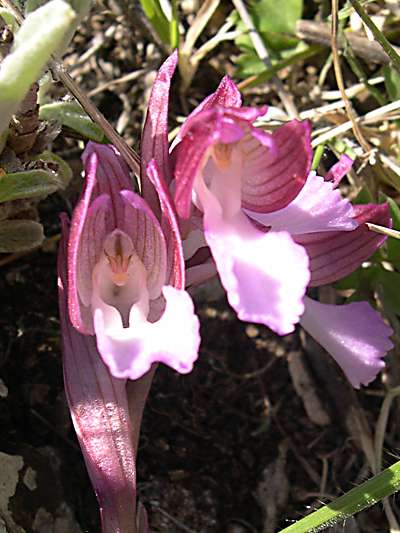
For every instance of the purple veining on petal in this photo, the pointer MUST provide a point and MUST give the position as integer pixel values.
(354, 334)
(80, 320)
(336, 254)
(111, 176)
(91, 246)
(148, 240)
(175, 265)
(273, 178)
(154, 144)
(121, 259)
(318, 207)
(209, 128)
(105, 175)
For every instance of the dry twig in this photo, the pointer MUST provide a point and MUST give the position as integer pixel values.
(339, 80)
(320, 33)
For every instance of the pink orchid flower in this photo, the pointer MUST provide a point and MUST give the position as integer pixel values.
(125, 284)
(123, 308)
(274, 228)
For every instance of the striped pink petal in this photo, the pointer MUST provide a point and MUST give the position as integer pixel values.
(206, 129)
(100, 414)
(154, 144)
(336, 254)
(318, 207)
(175, 263)
(273, 178)
(148, 240)
(106, 174)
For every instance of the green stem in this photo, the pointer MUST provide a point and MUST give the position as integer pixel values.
(174, 25)
(368, 493)
(391, 52)
(317, 156)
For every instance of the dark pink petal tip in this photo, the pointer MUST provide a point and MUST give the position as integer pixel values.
(226, 95)
(339, 169)
(154, 144)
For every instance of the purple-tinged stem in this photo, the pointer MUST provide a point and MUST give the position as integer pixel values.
(99, 409)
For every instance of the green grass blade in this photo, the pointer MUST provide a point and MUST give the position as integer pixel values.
(359, 498)
(158, 20)
(391, 52)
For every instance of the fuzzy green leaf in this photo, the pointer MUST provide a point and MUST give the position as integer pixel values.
(81, 8)
(72, 115)
(20, 235)
(274, 18)
(276, 23)
(63, 172)
(28, 184)
(38, 38)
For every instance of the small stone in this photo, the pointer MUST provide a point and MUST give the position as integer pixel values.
(29, 478)
(252, 331)
(10, 465)
(3, 389)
